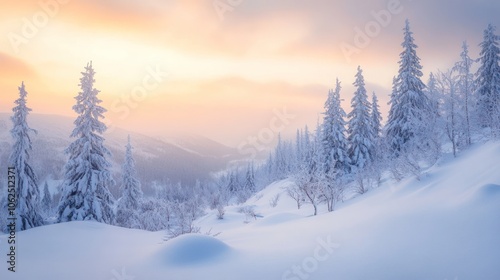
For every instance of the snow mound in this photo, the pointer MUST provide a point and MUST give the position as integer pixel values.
(490, 190)
(485, 193)
(443, 226)
(190, 249)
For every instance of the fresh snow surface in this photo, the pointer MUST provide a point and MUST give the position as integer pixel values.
(444, 226)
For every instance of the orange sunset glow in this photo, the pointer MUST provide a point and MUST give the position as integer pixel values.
(208, 68)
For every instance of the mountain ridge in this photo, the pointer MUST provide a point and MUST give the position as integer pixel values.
(179, 158)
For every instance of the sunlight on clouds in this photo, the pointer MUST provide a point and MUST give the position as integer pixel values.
(262, 55)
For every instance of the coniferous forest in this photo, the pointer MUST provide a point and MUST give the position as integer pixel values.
(344, 153)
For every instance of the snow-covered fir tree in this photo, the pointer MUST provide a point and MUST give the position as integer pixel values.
(379, 148)
(466, 82)
(334, 139)
(250, 179)
(297, 153)
(392, 102)
(248, 187)
(85, 194)
(488, 81)
(270, 168)
(46, 200)
(360, 127)
(376, 116)
(409, 113)
(28, 195)
(298, 150)
(233, 184)
(130, 201)
(433, 130)
(281, 164)
(336, 162)
(305, 144)
(433, 94)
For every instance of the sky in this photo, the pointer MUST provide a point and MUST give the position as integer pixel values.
(230, 70)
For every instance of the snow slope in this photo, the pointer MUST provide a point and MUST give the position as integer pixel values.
(445, 226)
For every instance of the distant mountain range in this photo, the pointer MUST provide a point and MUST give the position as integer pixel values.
(183, 158)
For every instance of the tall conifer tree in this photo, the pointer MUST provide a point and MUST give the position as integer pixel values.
(488, 80)
(28, 195)
(361, 137)
(410, 109)
(87, 177)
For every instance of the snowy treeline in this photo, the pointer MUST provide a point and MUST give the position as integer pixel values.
(352, 150)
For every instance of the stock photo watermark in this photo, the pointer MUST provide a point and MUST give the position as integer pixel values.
(121, 275)
(261, 142)
(363, 36)
(11, 217)
(323, 251)
(221, 7)
(48, 9)
(122, 106)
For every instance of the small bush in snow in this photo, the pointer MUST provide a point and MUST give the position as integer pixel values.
(220, 212)
(259, 196)
(295, 193)
(249, 212)
(273, 202)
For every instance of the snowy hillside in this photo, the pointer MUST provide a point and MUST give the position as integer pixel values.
(445, 226)
(183, 161)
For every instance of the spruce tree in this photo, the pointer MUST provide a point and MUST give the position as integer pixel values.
(270, 167)
(130, 202)
(280, 161)
(250, 179)
(434, 121)
(379, 151)
(233, 185)
(298, 150)
(376, 116)
(433, 94)
(46, 200)
(306, 143)
(488, 81)
(409, 113)
(27, 193)
(334, 139)
(85, 194)
(360, 127)
(392, 102)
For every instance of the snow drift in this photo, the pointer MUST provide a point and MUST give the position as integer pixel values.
(445, 226)
(191, 249)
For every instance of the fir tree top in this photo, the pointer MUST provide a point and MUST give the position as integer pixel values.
(410, 72)
(87, 106)
(489, 57)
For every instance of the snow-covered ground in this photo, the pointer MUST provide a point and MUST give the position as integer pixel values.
(445, 226)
